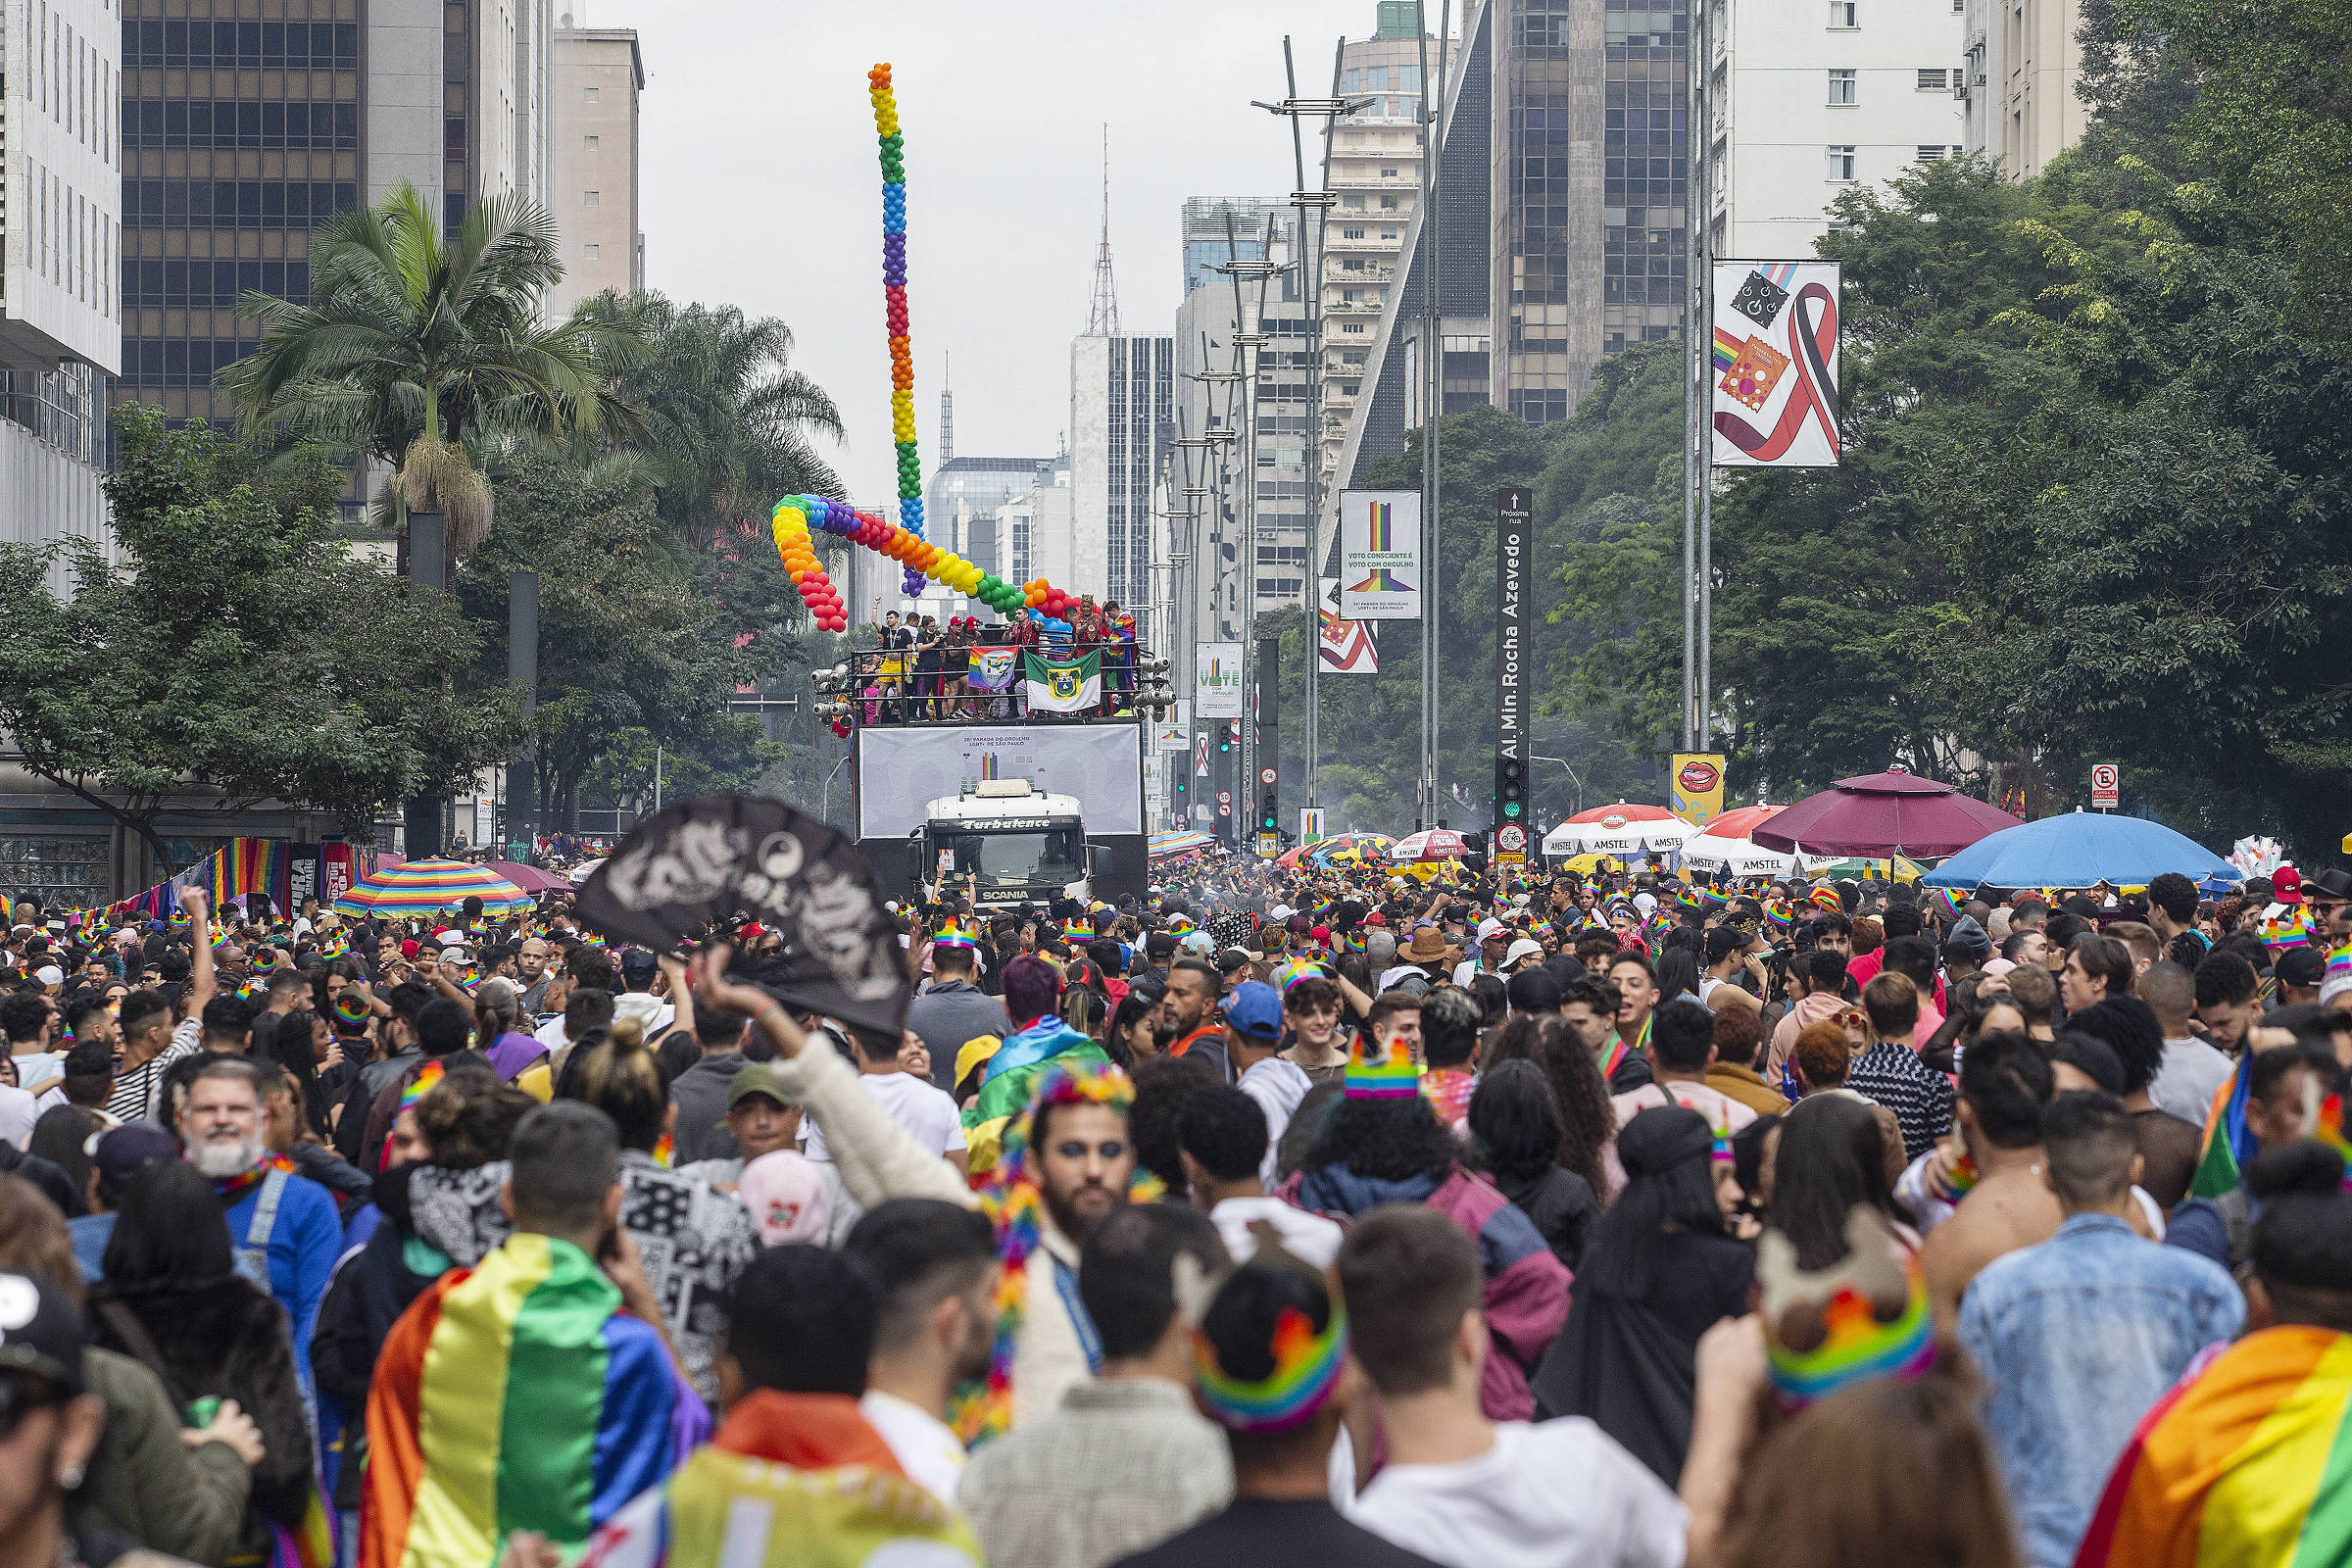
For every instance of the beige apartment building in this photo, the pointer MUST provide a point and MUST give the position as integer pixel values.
(593, 193)
(2023, 62)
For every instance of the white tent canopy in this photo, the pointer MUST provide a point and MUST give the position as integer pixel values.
(1736, 857)
(1618, 833)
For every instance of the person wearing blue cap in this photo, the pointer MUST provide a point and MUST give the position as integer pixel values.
(1253, 1036)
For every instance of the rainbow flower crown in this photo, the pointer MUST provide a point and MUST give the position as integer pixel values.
(2291, 929)
(1394, 1076)
(1865, 1316)
(952, 935)
(1295, 970)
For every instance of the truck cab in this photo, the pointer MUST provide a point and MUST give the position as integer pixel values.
(1002, 843)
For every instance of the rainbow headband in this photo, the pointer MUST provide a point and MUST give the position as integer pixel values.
(1079, 930)
(1298, 970)
(954, 937)
(1306, 1368)
(1858, 1339)
(351, 1006)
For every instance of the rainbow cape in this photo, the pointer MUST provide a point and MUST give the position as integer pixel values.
(516, 1395)
(2248, 1459)
(1010, 1074)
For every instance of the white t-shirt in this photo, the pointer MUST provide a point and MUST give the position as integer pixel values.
(1308, 1237)
(1561, 1494)
(1278, 1086)
(926, 1111)
(925, 1447)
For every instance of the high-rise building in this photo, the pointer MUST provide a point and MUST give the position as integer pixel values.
(1376, 174)
(1371, 380)
(2023, 59)
(1803, 112)
(1217, 229)
(964, 503)
(61, 237)
(1122, 414)
(247, 123)
(1209, 390)
(1034, 528)
(593, 188)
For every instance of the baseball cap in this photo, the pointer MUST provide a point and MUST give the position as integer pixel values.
(49, 974)
(1491, 928)
(1533, 991)
(755, 1078)
(1524, 948)
(1199, 944)
(1254, 1008)
(117, 1154)
(2286, 885)
(42, 1331)
(2301, 966)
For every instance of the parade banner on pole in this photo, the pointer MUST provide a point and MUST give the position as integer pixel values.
(1346, 647)
(1174, 733)
(1380, 555)
(1217, 680)
(1775, 367)
(1698, 786)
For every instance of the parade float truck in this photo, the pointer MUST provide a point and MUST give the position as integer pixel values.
(1000, 812)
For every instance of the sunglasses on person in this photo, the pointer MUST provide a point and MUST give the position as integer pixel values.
(22, 1394)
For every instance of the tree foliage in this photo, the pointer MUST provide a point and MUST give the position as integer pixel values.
(237, 649)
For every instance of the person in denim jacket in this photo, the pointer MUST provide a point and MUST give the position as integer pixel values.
(2079, 1335)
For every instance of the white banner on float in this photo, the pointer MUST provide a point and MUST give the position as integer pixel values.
(1775, 364)
(902, 772)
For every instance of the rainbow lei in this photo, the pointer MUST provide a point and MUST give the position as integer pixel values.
(1306, 1367)
(1014, 1205)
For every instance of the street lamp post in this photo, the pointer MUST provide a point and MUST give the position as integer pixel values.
(1572, 778)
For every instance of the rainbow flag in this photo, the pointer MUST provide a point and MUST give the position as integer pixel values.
(2229, 1142)
(1727, 349)
(2247, 1460)
(1012, 1072)
(516, 1395)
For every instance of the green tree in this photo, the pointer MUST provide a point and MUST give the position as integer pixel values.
(630, 654)
(413, 346)
(728, 425)
(237, 650)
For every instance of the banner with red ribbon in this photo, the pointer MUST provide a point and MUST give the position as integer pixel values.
(1775, 369)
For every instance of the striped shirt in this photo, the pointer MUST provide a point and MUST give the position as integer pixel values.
(133, 1097)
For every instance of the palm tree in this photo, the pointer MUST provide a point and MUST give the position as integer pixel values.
(728, 425)
(413, 346)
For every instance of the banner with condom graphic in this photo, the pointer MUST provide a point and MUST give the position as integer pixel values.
(1775, 369)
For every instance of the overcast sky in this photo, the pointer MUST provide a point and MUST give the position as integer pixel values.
(762, 186)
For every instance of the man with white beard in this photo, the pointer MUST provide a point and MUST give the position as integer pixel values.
(283, 1226)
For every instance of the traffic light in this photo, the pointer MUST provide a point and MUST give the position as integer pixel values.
(1184, 786)
(1510, 789)
(1225, 734)
(1269, 812)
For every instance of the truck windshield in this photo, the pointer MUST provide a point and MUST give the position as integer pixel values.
(1054, 856)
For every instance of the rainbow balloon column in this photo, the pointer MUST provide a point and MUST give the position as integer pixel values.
(894, 309)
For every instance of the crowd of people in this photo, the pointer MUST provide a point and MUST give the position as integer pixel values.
(918, 671)
(1266, 1217)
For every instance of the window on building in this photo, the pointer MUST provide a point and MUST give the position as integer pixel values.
(592, 198)
(1352, 326)
(1377, 78)
(1932, 79)
(1844, 89)
(1387, 233)
(1351, 233)
(1388, 174)
(594, 252)
(1357, 202)
(1842, 163)
(1931, 152)
(1845, 15)
(589, 95)
(591, 143)
(1388, 203)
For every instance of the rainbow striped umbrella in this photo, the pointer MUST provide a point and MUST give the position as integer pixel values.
(431, 887)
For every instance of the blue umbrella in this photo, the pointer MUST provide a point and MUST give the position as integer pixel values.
(2077, 851)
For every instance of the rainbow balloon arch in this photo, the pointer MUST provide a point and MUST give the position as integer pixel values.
(798, 520)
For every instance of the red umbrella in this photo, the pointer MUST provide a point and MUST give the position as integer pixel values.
(1879, 815)
(530, 878)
